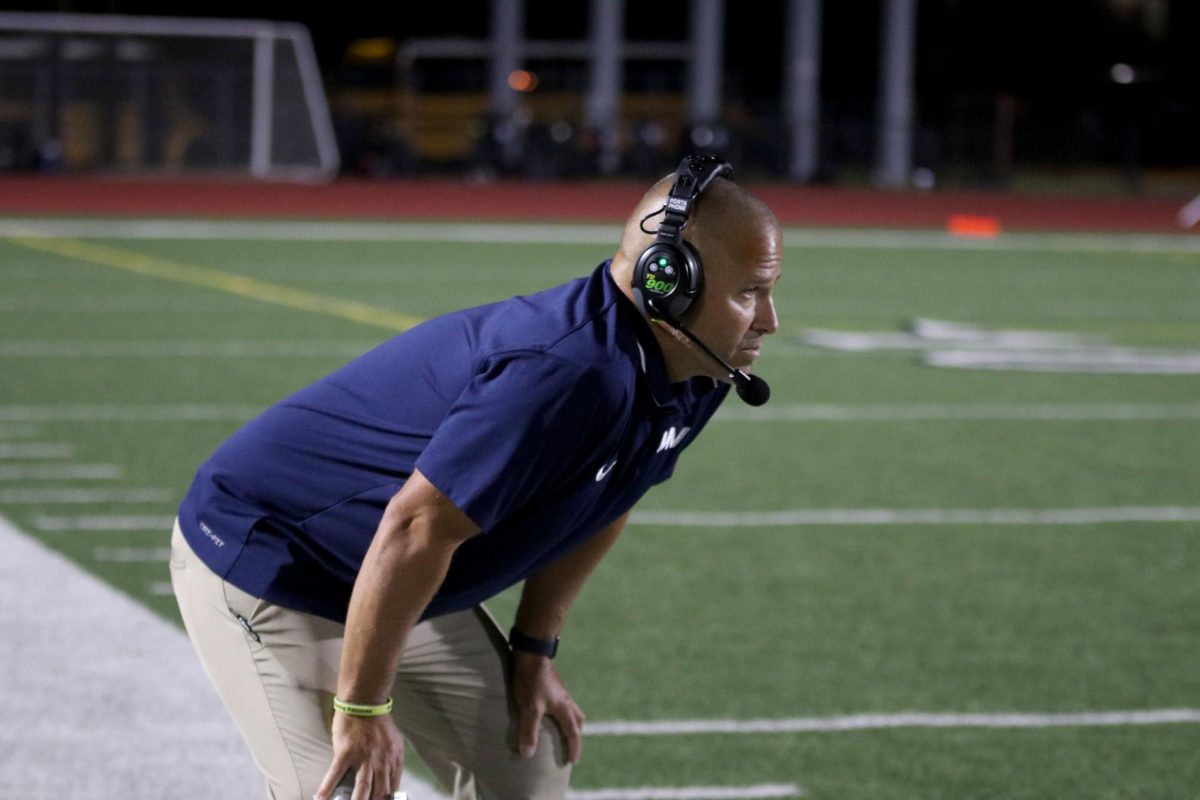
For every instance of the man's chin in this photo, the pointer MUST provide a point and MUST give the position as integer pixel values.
(744, 359)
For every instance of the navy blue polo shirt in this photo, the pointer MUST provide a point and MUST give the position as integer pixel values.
(543, 418)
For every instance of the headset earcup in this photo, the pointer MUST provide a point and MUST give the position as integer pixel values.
(682, 274)
(692, 282)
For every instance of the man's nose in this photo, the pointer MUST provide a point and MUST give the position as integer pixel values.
(766, 321)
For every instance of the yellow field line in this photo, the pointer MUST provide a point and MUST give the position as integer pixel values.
(220, 281)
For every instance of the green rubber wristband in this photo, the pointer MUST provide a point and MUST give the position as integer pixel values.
(361, 710)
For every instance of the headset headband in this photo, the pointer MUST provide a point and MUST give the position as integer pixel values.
(694, 175)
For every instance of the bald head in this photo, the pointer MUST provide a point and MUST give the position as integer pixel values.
(726, 218)
(741, 248)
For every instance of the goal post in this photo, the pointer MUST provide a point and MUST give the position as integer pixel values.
(149, 95)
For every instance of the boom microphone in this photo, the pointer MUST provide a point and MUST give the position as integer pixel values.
(752, 389)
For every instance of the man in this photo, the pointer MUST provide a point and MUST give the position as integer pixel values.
(331, 558)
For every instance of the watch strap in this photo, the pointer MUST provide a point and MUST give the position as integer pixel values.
(528, 644)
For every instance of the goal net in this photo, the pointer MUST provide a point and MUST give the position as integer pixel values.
(162, 95)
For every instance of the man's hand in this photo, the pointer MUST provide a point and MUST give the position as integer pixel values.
(537, 689)
(373, 748)
(403, 567)
(539, 692)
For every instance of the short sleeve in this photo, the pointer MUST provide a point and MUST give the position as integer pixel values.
(521, 428)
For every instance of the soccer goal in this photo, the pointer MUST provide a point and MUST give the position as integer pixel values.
(148, 95)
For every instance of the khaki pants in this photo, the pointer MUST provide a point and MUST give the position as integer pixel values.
(276, 671)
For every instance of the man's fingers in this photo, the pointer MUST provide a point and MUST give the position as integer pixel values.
(362, 786)
(570, 724)
(574, 746)
(336, 770)
(529, 721)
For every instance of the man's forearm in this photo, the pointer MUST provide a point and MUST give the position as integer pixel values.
(403, 568)
(537, 689)
(383, 609)
(548, 594)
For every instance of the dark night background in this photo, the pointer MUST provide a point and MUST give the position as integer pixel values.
(1046, 64)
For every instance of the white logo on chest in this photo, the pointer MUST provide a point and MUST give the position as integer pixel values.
(672, 439)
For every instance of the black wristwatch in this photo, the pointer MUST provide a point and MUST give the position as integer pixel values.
(528, 644)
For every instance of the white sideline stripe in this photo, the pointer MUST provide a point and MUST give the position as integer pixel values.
(918, 516)
(104, 522)
(51, 496)
(52, 472)
(729, 413)
(59, 625)
(36, 450)
(863, 722)
(945, 411)
(691, 793)
(110, 413)
(187, 349)
(312, 230)
(132, 555)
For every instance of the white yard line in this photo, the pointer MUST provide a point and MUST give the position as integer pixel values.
(604, 235)
(936, 412)
(691, 792)
(57, 472)
(998, 341)
(36, 449)
(105, 522)
(817, 412)
(56, 496)
(1110, 360)
(127, 413)
(132, 555)
(865, 722)
(919, 516)
(41, 305)
(967, 346)
(184, 349)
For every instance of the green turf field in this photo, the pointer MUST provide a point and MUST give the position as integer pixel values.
(947, 541)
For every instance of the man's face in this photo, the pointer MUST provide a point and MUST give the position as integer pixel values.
(736, 308)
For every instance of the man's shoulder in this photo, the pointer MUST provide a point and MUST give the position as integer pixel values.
(566, 371)
(575, 323)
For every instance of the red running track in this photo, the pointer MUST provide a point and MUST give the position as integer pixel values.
(566, 202)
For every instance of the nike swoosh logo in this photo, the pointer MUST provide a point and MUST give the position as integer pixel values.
(602, 473)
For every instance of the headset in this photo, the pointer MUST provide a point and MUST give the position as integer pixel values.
(668, 275)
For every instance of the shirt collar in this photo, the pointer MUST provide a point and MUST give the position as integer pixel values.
(638, 340)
